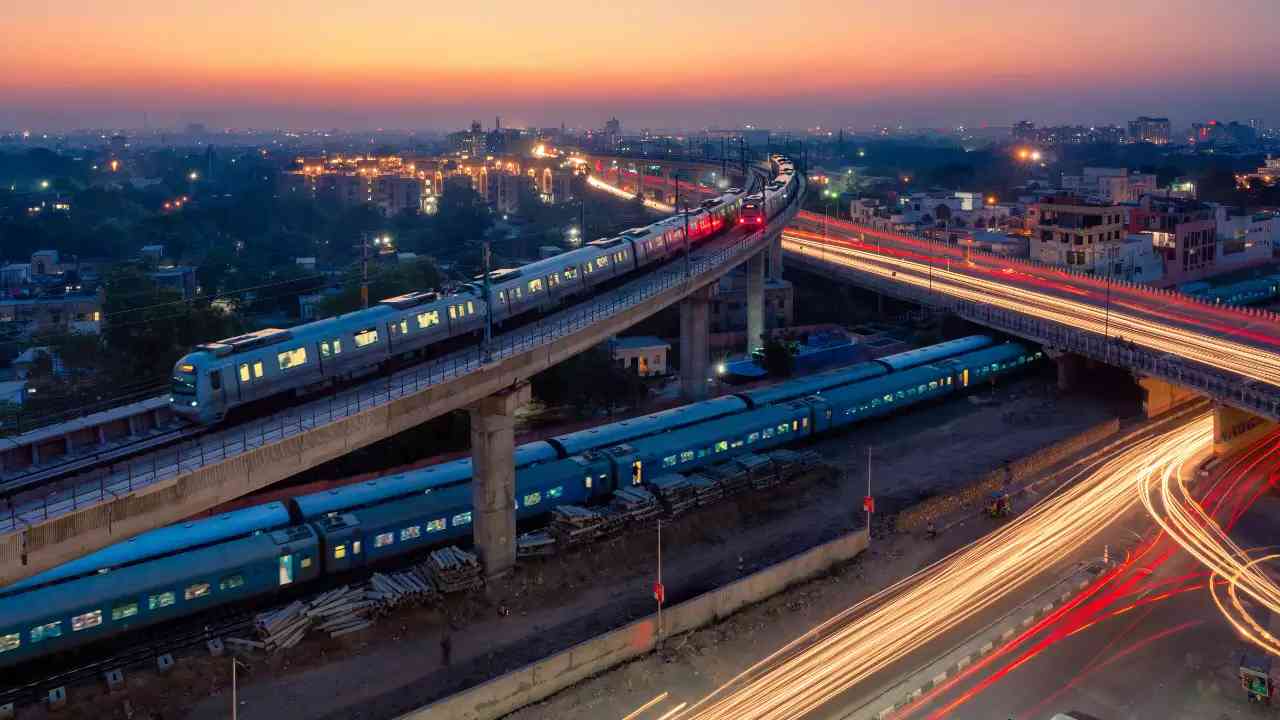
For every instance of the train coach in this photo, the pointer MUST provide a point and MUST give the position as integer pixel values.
(217, 377)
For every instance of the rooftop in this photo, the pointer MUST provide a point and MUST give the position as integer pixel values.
(639, 342)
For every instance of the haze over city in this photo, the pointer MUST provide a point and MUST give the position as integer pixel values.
(406, 64)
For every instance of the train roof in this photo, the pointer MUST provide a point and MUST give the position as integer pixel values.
(102, 591)
(707, 433)
(619, 432)
(814, 384)
(433, 477)
(920, 356)
(165, 541)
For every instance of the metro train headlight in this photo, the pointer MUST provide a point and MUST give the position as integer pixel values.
(194, 403)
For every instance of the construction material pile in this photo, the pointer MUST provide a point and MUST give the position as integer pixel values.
(573, 524)
(790, 463)
(709, 491)
(759, 470)
(337, 612)
(635, 506)
(454, 570)
(676, 493)
(536, 543)
(731, 477)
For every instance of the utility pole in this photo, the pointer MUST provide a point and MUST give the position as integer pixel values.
(486, 351)
(869, 502)
(724, 161)
(659, 593)
(364, 270)
(582, 219)
(688, 267)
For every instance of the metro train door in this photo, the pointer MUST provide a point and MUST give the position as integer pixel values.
(964, 378)
(637, 472)
(217, 389)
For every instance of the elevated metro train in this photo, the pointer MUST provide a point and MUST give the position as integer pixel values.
(184, 569)
(217, 377)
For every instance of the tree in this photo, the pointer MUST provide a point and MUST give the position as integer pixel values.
(778, 360)
(588, 381)
(384, 282)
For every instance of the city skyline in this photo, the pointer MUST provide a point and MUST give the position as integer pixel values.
(938, 63)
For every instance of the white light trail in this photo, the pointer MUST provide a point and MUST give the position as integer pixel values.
(599, 184)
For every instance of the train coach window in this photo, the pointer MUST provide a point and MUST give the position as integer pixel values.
(292, 358)
(766, 433)
(535, 285)
(602, 261)
(586, 482)
(286, 569)
(339, 551)
(329, 348)
(306, 562)
(553, 280)
(752, 437)
(556, 491)
(161, 600)
(355, 548)
(411, 532)
(86, 621)
(366, 337)
(532, 499)
(435, 525)
(46, 631)
(722, 445)
(124, 612)
(12, 641)
(404, 326)
(669, 461)
(383, 539)
(257, 369)
(686, 456)
(231, 583)
(244, 372)
(428, 319)
(464, 518)
(570, 273)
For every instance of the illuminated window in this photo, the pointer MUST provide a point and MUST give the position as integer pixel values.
(535, 285)
(86, 621)
(404, 326)
(602, 261)
(669, 461)
(257, 369)
(411, 532)
(161, 600)
(586, 482)
(339, 551)
(570, 273)
(329, 348)
(783, 429)
(686, 456)
(471, 307)
(722, 445)
(383, 539)
(12, 641)
(532, 499)
(306, 562)
(556, 491)
(44, 632)
(435, 525)
(553, 280)
(428, 319)
(231, 583)
(753, 437)
(244, 372)
(123, 612)
(366, 337)
(766, 433)
(464, 518)
(198, 590)
(453, 309)
(292, 358)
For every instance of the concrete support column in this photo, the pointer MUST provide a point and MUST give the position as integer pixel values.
(695, 350)
(1235, 429)
(1159, 397)
(775, 258)
(755, 302)
(493, 484)
(1069, 366)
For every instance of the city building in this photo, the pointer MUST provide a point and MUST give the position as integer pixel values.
(472, 143)
(1183, 232)
(1266, 175)
(729, 304)
(1074, 232)
(70, 313)
(1110, 185)
(644, 355)
(502, 191)
(180, 279)
(1245, 238)
(1153, 130)
(1214, 133)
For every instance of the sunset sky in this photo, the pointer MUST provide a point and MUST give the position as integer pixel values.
(436, 65)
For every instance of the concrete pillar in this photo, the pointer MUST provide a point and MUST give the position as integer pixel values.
(1069, 365)
(493, 485)
(775, 258)
(1235, 429)
(1159, 397)
(755, 302)
(695, 352)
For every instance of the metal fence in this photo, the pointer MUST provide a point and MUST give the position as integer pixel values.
(1228, 388)
(116, 480)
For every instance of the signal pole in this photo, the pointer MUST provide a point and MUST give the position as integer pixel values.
(486, 353)
(364, 270)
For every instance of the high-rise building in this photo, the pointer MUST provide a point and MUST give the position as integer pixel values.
(1078, 233)
(1153, 130)
(1024, 131)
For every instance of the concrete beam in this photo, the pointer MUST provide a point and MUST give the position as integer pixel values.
(755, 302)
(1069, 367)
(1160, 396)
(1235, 429)
(695, 343)
(775, 259)
(493, 486)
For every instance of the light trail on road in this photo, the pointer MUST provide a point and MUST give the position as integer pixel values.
(1208, 350)
(888, 627)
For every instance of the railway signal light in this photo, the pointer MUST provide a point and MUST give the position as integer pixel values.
(869, 504)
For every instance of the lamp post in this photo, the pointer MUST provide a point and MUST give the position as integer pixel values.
(688, 268)
(486, 352)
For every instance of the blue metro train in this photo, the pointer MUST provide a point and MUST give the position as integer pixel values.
(183, 569)
(217, 377)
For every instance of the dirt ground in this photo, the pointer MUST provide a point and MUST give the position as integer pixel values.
(555, 602)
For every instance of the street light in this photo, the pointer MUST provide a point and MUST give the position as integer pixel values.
(44, 184)
(193, 176)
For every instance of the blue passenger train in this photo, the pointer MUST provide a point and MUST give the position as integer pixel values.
(180, 570)
(217, 377)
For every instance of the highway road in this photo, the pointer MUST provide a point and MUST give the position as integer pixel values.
(1228, 340)
(855, 664)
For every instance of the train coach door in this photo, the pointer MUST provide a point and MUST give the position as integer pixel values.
(217, 392)
(637, 472)
(964, 378)
(286, 570)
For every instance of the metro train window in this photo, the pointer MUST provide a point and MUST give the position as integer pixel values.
(331, 347)
(257, 369)
(464, 518)
(12, 641)
(686, 456)
(428, 319)
(766, 433)
(285, 569)
(292, 358)
(231, 583)
(535, 285)
(339, 551)
(516, 293)
(753, 437)
(306, 562)
(736, 444)
(411, 532)
(404, 326)
(553, 280)
(669, 461)
(570, 273)
(602, 261)
(198, 590)
(471, 308)
(722, 445)
(453, 309)
(122, 612)
(588, 268)
(532, 499)
(556, 491)
(161, 600)
(86, 621)
(366, 337)
(383, 539)
(244, 372)
(435, 525)
(46, 631)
